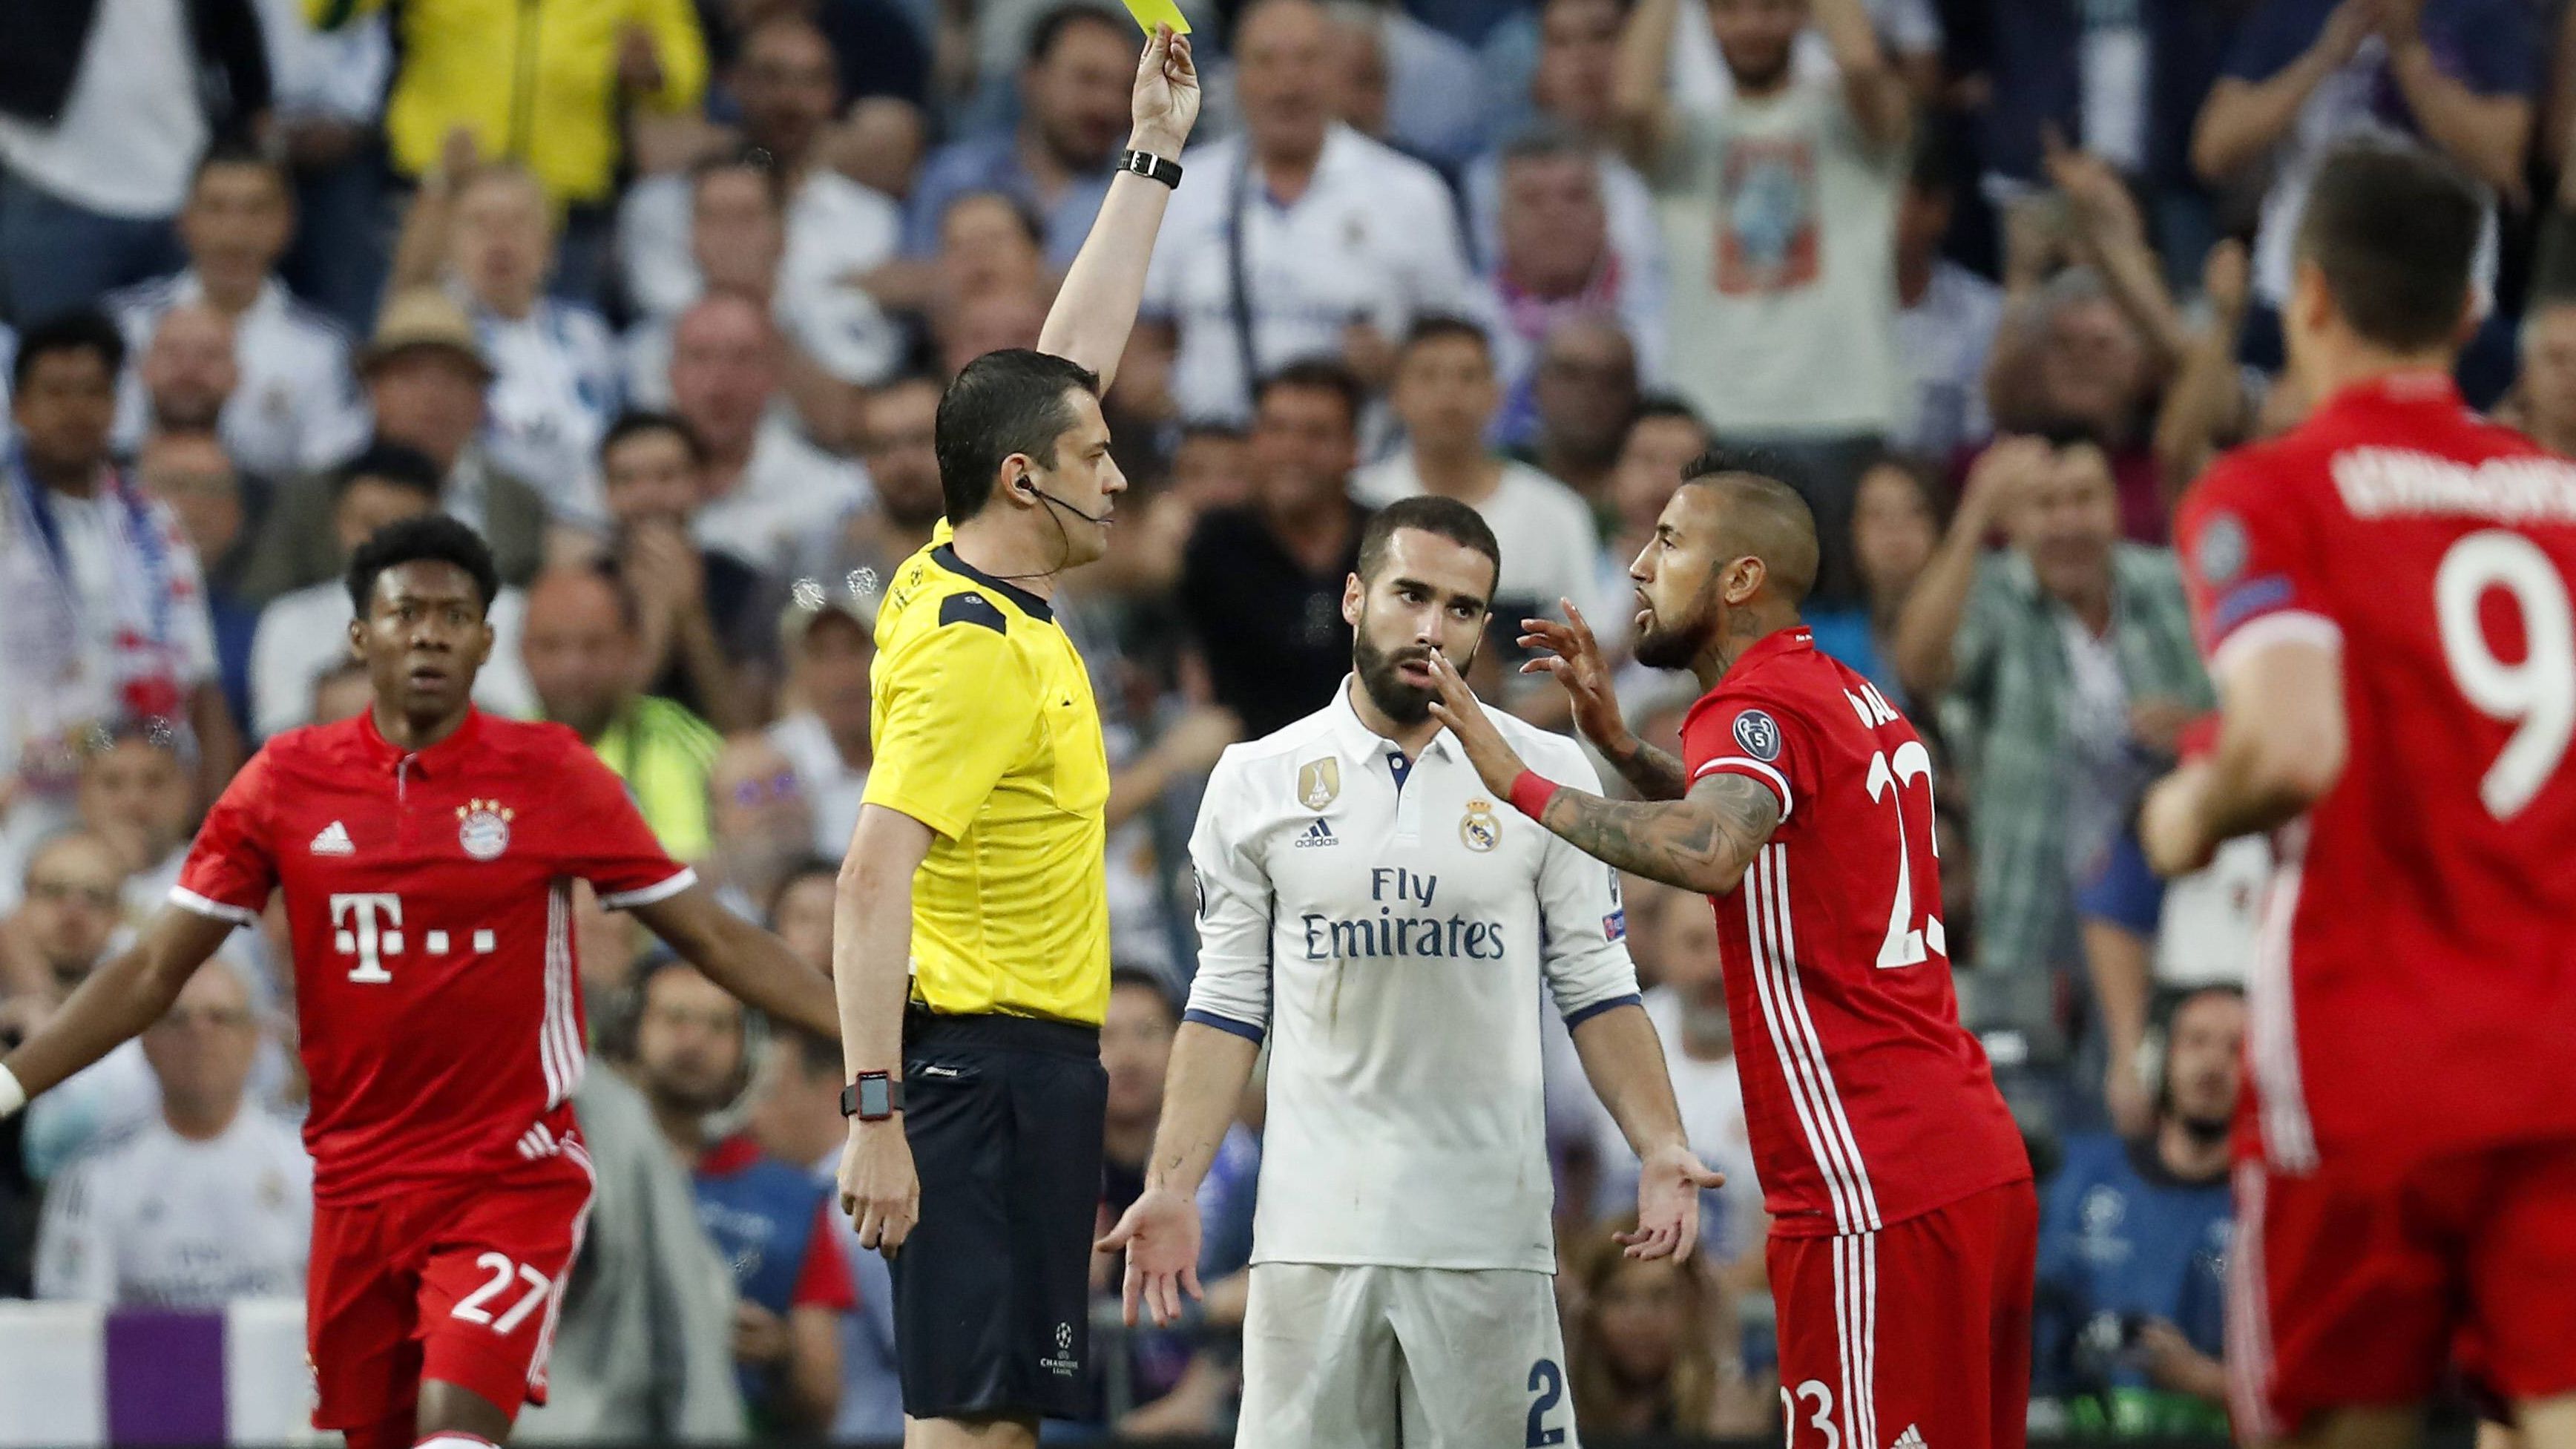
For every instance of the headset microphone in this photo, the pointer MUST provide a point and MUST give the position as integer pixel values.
(1067, 507)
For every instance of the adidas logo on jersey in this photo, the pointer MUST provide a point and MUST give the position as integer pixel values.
(1912, 1438)
(334, 840)
(1318, 834)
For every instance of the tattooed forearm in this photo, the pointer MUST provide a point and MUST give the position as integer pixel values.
(1702, 842)
(1652, 773)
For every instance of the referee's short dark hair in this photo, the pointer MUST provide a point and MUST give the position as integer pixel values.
(430, 538)
(1447, 517)
(2395, 230)
(1002, 403)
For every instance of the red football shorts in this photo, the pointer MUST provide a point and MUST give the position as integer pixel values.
(458, 1283)
(1917, 1334)
(2353, 1290)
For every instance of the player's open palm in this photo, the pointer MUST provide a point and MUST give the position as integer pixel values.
(1160, 1233)
(1166, 100)
(1669, 1183)
(1573, 659)
(878, 1187)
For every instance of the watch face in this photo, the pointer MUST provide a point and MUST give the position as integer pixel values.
(875, 1099)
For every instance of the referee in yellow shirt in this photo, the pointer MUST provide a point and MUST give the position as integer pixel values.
(971, 938)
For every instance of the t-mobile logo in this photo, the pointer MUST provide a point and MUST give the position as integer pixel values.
(368, 927)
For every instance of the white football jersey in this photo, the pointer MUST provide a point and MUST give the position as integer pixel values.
(1391, 934)
(149, 1218)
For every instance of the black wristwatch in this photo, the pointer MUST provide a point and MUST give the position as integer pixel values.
(874, 1097)
(1151, 167)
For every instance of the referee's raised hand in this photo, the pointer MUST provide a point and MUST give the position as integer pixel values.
(878, 1188)
(1166, 100)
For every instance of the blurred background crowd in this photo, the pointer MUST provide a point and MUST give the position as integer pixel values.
(660, 295)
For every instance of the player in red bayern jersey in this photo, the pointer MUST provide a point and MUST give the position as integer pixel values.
(2384, 597)
(427, 853)
(1904, 1227)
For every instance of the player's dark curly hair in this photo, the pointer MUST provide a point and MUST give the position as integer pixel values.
(432, 537)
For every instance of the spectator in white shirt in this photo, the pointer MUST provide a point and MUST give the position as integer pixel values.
(295, 392)
(837, 338)
(837, 230)
(1571, 87)
(102, 607)
(1945, 330)
(185, 378)
(555, 380)
(1779, 210)
(1445, 390)
(1317, 239)
(766, 488)
(211, 1202)
(304, 633)
(829, 631)
(135, 795)
(103, 109)
(1557, 263)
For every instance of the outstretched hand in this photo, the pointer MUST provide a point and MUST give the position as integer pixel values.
(1573, 659)
(1668, 1187)
(1463, 714)
(1160, 1235)
(1165, 103)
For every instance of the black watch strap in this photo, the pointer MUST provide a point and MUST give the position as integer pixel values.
(874, 1097)
(1151, 167)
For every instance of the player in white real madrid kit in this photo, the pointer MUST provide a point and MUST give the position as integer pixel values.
(1390, 925)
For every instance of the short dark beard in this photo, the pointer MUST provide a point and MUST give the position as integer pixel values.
(1406, 704)
(1660, 647)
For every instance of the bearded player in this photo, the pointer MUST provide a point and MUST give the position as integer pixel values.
(1903, 1224)
(427, 854)
(2383, 593)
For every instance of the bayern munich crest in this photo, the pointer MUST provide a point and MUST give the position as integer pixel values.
(484, 828)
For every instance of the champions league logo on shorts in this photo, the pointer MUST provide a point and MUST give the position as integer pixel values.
(485, 831)
(1064, 1364)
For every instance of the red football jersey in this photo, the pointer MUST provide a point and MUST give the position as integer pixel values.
(1867, 1101)
(2414, 984)
(429, 896)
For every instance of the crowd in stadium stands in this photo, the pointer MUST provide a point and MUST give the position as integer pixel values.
(660, 296)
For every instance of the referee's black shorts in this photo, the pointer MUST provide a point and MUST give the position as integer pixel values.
(992, 1288)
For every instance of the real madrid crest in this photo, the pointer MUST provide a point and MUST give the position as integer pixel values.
(483, 828)
(1480, 830)
(1319, 782)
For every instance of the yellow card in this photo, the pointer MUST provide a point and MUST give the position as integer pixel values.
(1148, 12)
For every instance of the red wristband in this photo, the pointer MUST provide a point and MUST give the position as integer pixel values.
(1531, 791)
